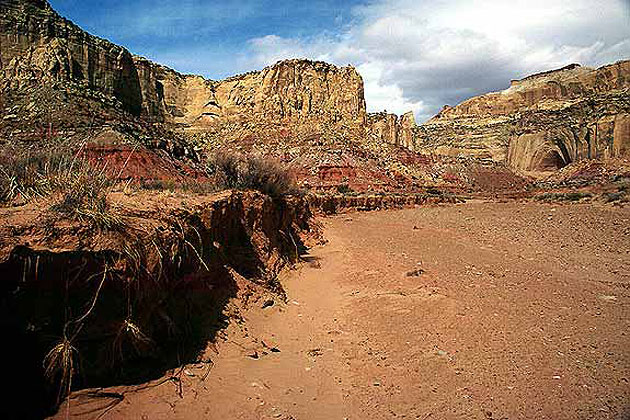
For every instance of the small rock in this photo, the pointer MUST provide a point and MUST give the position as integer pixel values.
(268, 303)
(315, 352)
(188, 373)
(415, 273)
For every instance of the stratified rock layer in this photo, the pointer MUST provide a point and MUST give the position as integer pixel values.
(36, 45)
(288, 91)
(392, 129)
(542, 122)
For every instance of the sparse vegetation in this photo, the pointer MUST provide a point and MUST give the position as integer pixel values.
(26, 175)
(234, 171)
(619, 197)
(561, 196)
(29, 174)
(344, 189)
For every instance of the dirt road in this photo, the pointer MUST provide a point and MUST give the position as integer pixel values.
(480, 310)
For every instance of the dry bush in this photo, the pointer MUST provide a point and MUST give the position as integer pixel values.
(562, 196)
(234, 171)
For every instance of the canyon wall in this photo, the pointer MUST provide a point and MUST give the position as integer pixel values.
(540, 123)
(39, 46)
(392, 129)
(287, 91)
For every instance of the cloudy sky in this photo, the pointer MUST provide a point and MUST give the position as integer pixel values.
(413, 55)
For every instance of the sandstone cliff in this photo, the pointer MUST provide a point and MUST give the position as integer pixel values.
(39, 46)
(542, 122)
(392, 129)
(287, 91)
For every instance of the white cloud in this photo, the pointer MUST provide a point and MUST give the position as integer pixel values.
(420, 55)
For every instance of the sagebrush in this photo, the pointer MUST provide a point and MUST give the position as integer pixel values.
(234, 171)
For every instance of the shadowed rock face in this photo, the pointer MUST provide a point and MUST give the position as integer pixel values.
(542, 122)
(37, 44)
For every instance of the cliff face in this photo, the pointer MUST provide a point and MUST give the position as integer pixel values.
(39, 46)
(392, 129)
(288, 91)
(542, 122)
(53, 75)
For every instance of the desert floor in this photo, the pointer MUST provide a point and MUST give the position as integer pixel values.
(477, 310)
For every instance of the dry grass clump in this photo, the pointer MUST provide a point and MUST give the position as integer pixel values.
(233, 171)
(85, 199)
(29, 174)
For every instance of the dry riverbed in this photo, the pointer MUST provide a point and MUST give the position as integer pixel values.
(478, 310)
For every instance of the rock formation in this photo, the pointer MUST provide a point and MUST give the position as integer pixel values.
(542, 122)
(36, 44)
(287, 91)
(393, 129)
(55, 77)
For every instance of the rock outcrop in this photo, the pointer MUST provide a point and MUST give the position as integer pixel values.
(287, 91)
(39, 46)
(542, 122)
(392, 129)
(55, 77)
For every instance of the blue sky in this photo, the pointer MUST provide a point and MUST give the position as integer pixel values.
(413, 54)
(200, 36)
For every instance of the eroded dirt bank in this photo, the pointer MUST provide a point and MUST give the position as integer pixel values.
(84, 306)
(477, 310)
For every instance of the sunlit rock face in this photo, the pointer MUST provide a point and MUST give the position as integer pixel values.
(542, 122)
(538, 124)
(36, 44)
(392, 129)
(39, 46)
(289, 91)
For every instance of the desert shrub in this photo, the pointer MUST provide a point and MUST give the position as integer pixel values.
(570, 196)
(30, 174)
(624, 185)
(228, 169)
(344, 189)
(619, 196)
(85, 199)
(233, 171)
(157, 185)
(82, 188)
(434, 191)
